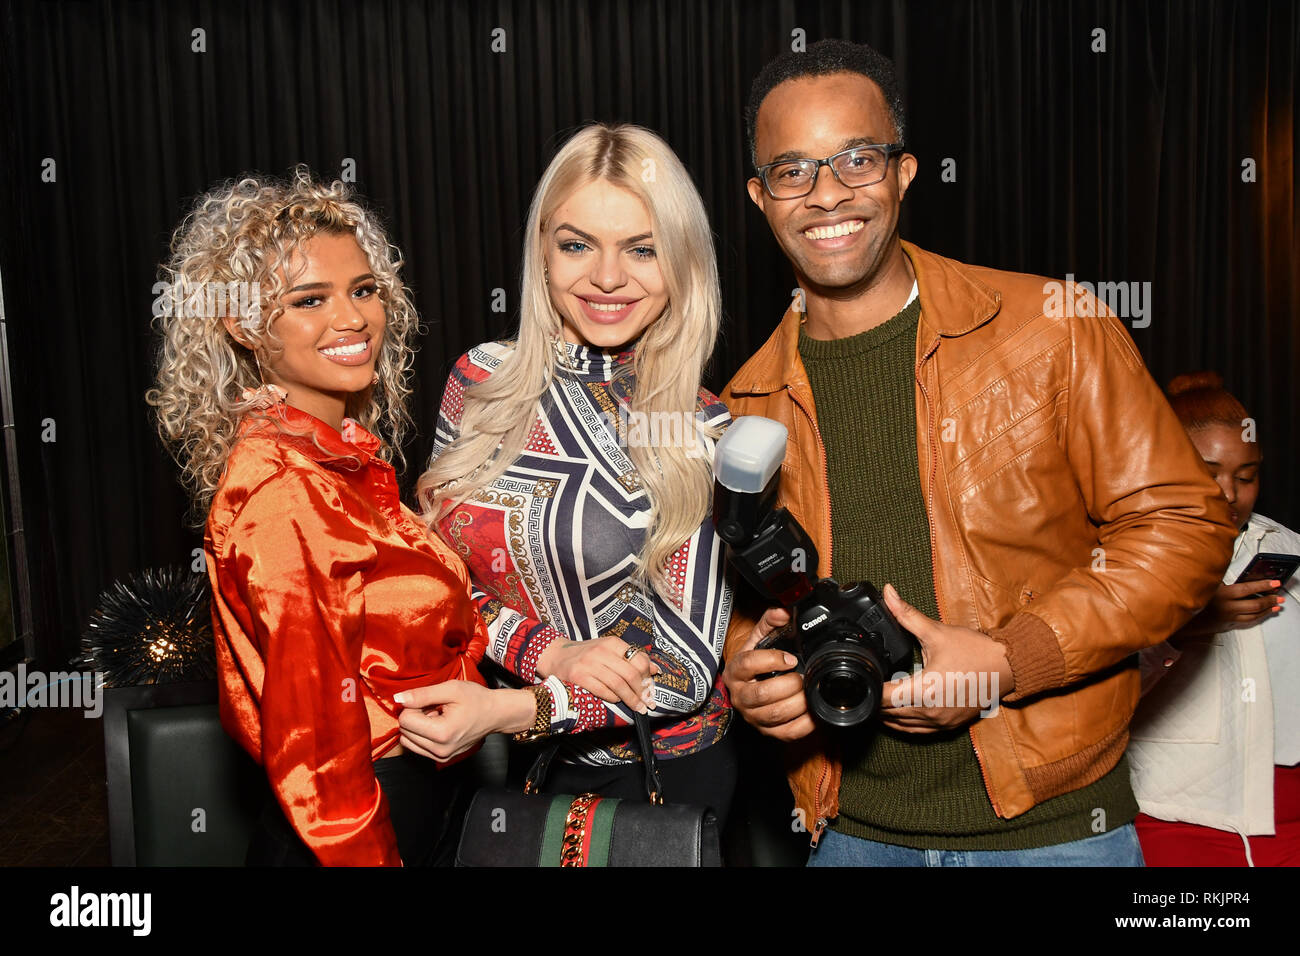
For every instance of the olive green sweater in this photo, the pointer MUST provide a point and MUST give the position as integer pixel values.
(916, 790)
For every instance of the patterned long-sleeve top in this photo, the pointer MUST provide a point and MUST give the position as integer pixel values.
(552, 546)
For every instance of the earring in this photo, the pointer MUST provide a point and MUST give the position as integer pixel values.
(375, 380)
(267, 395)
(546, 274)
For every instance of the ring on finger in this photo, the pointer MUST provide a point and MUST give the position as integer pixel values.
(631, 652)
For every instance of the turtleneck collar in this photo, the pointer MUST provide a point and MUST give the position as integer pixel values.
(589, 363)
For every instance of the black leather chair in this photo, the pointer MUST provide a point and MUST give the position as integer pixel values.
(180, 791)
(168, 758)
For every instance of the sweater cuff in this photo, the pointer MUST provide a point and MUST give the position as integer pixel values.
(577, 709)
(1033, 654)
(526, 658)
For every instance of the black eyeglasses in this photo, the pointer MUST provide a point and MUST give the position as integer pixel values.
(859, 166)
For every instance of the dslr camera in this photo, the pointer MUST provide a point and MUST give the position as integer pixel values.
(845, 639)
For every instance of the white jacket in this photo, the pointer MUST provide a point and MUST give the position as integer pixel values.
(1209, 728)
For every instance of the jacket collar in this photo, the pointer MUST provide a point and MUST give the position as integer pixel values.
(953, 302)
(313, 437)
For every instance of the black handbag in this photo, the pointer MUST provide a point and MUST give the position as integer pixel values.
(508, 828)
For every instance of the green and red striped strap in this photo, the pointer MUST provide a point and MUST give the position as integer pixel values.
(589, 821)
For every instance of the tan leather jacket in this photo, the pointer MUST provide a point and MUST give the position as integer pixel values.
(1070, 516)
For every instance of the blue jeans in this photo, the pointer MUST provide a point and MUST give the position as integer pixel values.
(1116, 848)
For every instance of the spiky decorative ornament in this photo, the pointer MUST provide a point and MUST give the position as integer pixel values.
(153, 628)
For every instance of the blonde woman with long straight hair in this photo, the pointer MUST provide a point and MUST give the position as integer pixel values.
(572, 472)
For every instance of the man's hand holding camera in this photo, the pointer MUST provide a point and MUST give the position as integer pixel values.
(778, 708)
(946, 649)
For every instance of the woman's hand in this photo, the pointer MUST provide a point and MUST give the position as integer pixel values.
(601, 666)
(1234, 606)
(444, 720)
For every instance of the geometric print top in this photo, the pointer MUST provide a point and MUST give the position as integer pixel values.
(551, 547)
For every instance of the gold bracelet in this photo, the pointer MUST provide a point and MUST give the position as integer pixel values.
(541, 726)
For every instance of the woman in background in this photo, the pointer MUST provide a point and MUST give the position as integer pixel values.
(283, 406)
(1216, 739)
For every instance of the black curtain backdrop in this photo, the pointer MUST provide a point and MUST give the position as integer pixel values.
(1122, 166)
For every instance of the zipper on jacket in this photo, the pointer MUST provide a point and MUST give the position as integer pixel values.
(820, 821)
(929, 503)
(817, 832)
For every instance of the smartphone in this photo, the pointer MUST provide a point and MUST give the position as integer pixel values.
(1269, 567)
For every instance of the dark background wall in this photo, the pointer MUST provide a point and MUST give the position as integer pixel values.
(1123, 165)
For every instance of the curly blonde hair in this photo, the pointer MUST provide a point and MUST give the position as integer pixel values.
(239, 237)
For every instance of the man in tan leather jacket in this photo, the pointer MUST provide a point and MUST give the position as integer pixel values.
(1071, 522)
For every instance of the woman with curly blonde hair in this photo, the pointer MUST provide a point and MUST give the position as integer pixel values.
(281, 391)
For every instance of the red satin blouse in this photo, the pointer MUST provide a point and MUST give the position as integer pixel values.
(328, 598)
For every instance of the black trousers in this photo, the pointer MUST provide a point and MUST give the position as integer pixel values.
(704, 779)
(426, 805)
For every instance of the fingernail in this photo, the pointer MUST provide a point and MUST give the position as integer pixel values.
(791, 659)
(400, 698)
(1276, 584)
(646, 681)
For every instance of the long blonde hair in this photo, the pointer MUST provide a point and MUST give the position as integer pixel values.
(670, 356)
(241, 235)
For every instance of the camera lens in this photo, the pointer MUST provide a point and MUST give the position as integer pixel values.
(843, 691)
(842, 682)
